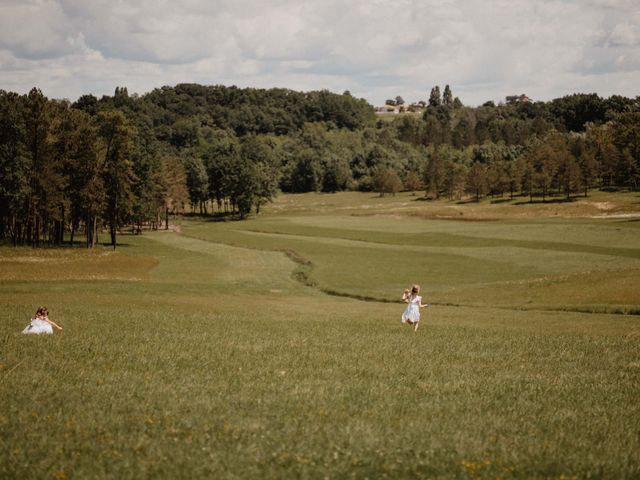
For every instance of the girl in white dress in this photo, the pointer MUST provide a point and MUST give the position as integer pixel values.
(40, 323)
(411, 314)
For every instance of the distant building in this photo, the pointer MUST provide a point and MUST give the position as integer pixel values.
(522, 98)
(391, 106)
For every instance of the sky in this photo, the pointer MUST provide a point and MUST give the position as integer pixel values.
(376, 49)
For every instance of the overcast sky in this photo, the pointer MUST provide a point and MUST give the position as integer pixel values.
(377, 49)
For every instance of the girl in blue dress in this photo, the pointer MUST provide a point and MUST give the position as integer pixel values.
(411, 314)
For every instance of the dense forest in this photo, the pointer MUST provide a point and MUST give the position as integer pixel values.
(128, 161)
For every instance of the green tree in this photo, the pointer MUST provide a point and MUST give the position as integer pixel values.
(447, 96)
(412, 182)
(434, 171)
(116, 137)
(514, 172)
(197, 182)
(15, 168)
(37, 123)
(265, 169)
(568, 171)
(307, 172)
(601, 142)
(336, 173)
(87, 192)
(477, 180)
(626, 136)
(386, 180)
(172, 187)
(434, 97)
(455, 178)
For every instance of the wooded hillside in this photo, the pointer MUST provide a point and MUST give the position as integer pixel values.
(129, 160)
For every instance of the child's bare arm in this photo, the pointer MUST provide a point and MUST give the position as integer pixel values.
(52, 323)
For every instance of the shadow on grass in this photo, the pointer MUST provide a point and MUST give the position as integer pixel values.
(441, 199)
(386, 195)
(547, 201)
(77, 244)
(215, 217)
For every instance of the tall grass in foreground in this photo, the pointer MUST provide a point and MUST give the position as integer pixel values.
(345, 392)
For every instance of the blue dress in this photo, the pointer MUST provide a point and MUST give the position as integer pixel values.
(411, 314)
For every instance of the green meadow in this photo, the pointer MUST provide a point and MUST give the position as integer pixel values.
(272, 347)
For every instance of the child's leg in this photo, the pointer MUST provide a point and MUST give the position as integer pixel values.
(415, 326)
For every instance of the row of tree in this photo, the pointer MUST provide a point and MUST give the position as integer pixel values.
(63, 171)
(556, 163)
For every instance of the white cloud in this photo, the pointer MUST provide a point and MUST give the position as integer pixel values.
(374, 48)
(35, 29)
(625, 34)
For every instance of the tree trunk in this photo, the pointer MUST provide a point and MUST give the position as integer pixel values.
(166, 218)
(112, 232)
(14, 233)
(36, 232)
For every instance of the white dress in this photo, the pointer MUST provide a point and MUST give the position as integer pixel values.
(38, 326)
(411, 314)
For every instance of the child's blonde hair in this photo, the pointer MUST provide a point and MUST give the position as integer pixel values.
(415, 289)
(42, 312)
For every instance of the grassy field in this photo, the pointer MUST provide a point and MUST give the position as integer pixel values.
(216, 352)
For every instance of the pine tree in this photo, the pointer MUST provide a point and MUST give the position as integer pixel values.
(447, 96)
(477, 180)
(117, 172)
(434, 97)
(37, 121)
(14, 168)
(514, 174)
(172, 181)
(434, 172)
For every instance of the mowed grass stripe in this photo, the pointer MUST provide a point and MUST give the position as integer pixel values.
(474, 275)
(555, 261)
(439, 238)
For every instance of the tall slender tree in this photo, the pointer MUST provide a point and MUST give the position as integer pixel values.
(447, 96)
(434, 97)
(117, 170)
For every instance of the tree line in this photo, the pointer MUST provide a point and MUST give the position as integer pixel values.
(96, 166)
